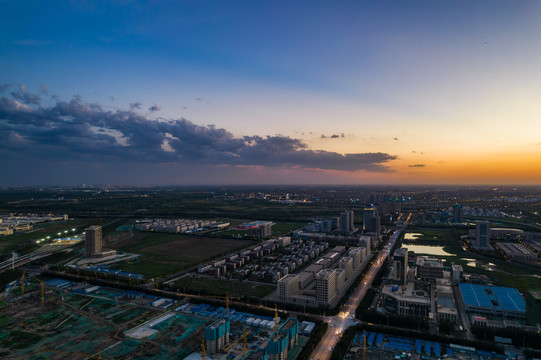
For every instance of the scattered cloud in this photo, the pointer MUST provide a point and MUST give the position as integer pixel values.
(75, 131)
(333, 136)
(154, 108)
(43, 89)
(417, 165)
(136, 105)
(112, 98)
(4, 87)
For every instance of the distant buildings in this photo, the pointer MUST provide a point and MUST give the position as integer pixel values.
(457, 213)
(368, 213)
(482, 234)
(346, 221)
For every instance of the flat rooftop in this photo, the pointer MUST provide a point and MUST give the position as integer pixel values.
(492, 297)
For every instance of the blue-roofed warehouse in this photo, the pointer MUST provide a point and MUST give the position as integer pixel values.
(496, 301)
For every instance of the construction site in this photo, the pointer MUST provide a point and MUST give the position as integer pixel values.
(58, 319)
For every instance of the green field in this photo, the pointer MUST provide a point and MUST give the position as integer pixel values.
(218, 287)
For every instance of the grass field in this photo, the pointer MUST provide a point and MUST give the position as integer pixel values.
(218, 287)
(167, 253)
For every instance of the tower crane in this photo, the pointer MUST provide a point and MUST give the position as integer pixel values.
(42, 291)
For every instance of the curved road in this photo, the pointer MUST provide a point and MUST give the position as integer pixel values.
(338, 323)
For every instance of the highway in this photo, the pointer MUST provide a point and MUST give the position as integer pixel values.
(345, 319)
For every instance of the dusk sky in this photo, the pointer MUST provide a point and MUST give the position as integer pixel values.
(270, 92)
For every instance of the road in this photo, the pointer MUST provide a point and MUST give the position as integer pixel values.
(340, 322)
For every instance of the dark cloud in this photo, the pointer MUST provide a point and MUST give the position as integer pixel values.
(4, 87)
(136, 105)
(154, 108)
(26, 97)
(417, 165)
(75, 131)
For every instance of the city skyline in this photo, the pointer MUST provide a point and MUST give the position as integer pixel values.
(270, 93)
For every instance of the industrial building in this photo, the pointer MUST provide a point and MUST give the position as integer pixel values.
(217, 336)
(493, 301)
(517, 252)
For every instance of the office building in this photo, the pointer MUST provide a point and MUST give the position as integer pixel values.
(429, 268)
(288, 286)
(93, 241)
(482, 234)
(406, 300)
(217, 336)
(400, 266)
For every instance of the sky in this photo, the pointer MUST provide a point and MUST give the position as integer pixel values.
(270, 92)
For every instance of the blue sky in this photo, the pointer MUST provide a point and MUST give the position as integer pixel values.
(416, 81)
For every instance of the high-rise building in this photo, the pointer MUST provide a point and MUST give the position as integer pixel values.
(365, 241)
(482, 234)
(375, 226)
(336, 224)
(277, 346)
(346, 263)
(217, 336)
(368, 213)
(400, 266)
(457, 213)
(325, 285)
(93, 240)
(346, 221)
